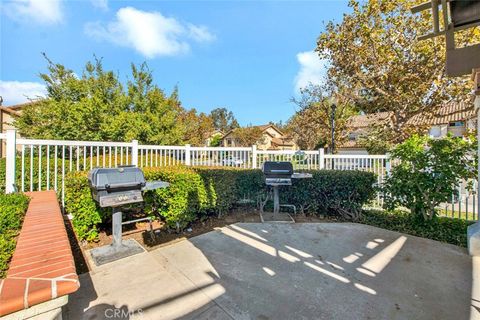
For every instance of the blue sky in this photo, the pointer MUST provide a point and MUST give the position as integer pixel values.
(248, 56)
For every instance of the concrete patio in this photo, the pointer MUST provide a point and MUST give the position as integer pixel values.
(286, 271)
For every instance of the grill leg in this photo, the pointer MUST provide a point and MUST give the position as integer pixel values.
(276, 200)
(118, 249)
(117, 227)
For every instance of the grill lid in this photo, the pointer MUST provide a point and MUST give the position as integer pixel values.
(116, 179)
(277, 169)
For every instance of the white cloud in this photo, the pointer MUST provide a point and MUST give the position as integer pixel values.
(149, 33)
(15, 92)
(200, 33)
(101, 4)
(312, 70)
(40, 11)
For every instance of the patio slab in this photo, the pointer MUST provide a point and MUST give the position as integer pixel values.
(286, 271)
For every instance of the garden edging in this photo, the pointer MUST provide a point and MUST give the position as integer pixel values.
(42, 271)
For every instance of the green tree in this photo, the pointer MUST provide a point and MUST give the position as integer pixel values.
(198, 127)
(374, 55)
(76, 108)
(427, 172)
(96, 106)
(150, 116)
(216, 141)
(311, 125)
(223, 119)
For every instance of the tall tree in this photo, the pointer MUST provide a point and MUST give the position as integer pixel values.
(96, 106)
(311, 125)
(151, 116)
(198, 127)
(374, 55)
(76, 108)
(248, 136)
(223, 119)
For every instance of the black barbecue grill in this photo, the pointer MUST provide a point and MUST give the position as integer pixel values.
(116, 188)
(280, 173)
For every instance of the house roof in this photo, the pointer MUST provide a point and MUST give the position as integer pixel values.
(283, 142)
(449, 112)
(366, 120)
(262, 127)
(9, 110)
(17, 108)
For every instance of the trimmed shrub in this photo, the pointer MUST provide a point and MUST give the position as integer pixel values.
(78, 202)
(196, 192)
(12, 211)
(332, 192)
(449, 230)
(180, 203)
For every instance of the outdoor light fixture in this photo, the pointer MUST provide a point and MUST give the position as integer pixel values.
(456, 15)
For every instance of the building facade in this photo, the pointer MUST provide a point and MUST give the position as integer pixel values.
(272, 139)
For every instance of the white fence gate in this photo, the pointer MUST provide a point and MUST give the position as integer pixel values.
(34, 165)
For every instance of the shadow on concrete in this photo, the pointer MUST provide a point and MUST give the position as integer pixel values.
(310, 271)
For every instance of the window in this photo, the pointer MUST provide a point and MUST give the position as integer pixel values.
(435, 132)
(456, 124)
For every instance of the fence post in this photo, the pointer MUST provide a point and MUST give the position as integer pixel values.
(388, 165)
(188, 156)
(135, 153)
(321, 158)
(254, 156)
(10, 152)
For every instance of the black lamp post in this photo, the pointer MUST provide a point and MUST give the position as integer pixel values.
(332, 145)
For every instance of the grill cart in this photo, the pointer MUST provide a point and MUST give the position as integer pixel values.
(115, 188)
(280, 173)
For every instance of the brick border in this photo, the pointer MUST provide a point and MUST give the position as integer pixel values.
(42, 266)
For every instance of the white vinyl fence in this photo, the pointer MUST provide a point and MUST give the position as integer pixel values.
(34, 165)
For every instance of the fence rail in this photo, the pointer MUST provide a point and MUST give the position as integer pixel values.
(33, 164)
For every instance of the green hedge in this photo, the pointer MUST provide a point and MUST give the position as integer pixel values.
(330, 192)
(198, 192)
(35, 172)
(449, 230)
(12, 210)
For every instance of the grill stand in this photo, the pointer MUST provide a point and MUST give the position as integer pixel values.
(276, 215)
(276, 200)
(118, 249)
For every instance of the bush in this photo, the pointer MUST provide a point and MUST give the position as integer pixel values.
(196, 192)
(332, 192)
(12, 210)
(449, 230)
(182, 201)
(34, 180)
(78, 202)
(427, 172)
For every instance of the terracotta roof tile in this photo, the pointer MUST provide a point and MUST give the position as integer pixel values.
(447, 113)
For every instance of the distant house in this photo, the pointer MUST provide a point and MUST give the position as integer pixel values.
(7, 116)
(272, 139)
(453, 118)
